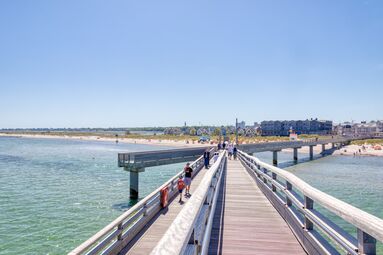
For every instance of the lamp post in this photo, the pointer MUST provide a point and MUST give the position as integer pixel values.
(236, 131)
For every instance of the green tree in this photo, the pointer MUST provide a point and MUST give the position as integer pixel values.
(217, 132)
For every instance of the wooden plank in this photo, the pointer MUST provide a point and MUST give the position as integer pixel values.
(245, 222)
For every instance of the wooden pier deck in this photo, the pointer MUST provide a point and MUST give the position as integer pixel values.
(245, 222)
(147, 239)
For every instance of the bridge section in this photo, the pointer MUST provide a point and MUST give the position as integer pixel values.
(245, 222)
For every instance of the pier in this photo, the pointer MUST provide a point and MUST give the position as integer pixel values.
(242, 206)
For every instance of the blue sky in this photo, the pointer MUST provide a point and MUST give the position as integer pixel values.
(160, 63)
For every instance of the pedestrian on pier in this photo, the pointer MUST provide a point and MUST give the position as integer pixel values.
(235, 152)
(215, 157)
(230, 150)
(188, 174)
(181, 186)
(219, 146)
(206, 157)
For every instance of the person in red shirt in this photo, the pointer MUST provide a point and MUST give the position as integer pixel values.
(181, 186)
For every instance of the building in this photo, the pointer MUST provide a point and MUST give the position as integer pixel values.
(282, 128)
(373, 128)
(242, 125)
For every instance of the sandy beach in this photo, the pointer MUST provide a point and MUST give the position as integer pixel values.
(158, 142)
(350, 150)
(360, 150)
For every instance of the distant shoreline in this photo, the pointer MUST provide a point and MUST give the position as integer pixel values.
(349, 150)
(156, 142)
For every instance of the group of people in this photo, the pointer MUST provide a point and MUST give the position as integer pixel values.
(231, 149)
(184, 183)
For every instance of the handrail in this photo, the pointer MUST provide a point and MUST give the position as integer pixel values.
(190, 231)
(132, 220)
(370, 228)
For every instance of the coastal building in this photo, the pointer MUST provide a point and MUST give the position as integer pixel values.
(242, 125)
(372, 128)
(282, 128)
(172, 131)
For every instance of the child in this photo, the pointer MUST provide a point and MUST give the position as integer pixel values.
(181, 186)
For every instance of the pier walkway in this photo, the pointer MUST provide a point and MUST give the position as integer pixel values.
(149, 236)
(245, 221)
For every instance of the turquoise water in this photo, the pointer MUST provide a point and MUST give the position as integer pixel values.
(355, 180)
(55, 193)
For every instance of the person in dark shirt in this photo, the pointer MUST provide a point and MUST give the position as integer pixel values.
(188, 174)
(206, 157)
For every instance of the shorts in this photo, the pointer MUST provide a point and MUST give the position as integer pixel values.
(180, 191)
(187, 181)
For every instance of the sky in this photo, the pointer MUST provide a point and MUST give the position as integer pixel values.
(160, 63)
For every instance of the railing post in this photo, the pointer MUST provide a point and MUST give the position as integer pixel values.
(274, 188)
(366, 243)
(288, 187)
(309, 204)
(144, 212)
(264, 178)
(119, 227)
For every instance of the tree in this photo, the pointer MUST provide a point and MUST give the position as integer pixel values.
(217, 132)
(193, 131)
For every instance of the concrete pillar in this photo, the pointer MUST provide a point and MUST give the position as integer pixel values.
(133, 185)
(275, 158)
(323, 148)
(134, 181)
(295, 154)
(333, 145)
(311, 151)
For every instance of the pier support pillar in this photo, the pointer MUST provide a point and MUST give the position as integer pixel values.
(295, 155)
(323, 148)
(134, 181)
(311, 152)
(366, 243)
(275, 158)
(333, 145)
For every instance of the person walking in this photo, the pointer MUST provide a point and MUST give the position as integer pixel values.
(215, 157)
(230, 151)
(188, 174)
(181, 186)
(235, 152)
(206, 157)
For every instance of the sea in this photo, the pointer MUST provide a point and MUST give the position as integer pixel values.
(56, 193)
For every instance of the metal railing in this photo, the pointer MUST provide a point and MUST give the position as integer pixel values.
(115, 236)
(190, 231)
(281, 187)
